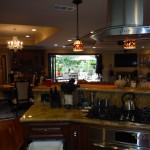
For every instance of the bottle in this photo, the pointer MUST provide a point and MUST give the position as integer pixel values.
(92, 98)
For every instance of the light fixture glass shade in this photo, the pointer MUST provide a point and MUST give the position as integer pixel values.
(15, 44)
(129, 44)
(77, 46)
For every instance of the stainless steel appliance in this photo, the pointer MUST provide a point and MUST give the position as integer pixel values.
(123, 139)
(128, 100)
(141, 116)
(101, 138)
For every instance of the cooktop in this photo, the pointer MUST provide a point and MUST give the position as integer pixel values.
(119, 114)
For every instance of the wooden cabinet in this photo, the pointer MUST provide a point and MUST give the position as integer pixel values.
(11, 136)
(47, 130)
(74, 135)
(27, 61)
(78, 136)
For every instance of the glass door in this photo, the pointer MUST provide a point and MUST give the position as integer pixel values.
(52, 67)
(80, 67)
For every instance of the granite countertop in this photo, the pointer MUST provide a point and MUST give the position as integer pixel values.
(42, 112)
(97, 87)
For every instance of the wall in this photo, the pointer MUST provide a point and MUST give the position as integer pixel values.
(6, 65)
(108, 58)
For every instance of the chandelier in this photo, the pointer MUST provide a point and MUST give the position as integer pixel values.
(129, 44)
(77, 45)
(15, 44)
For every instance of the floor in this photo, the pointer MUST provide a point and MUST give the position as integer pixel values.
(7, 113)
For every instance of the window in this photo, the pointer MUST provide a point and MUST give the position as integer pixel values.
(76, 66)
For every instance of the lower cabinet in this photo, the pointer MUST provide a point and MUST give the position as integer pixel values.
(75, 136)
(78, 136)
(11, 136)
(46, 131)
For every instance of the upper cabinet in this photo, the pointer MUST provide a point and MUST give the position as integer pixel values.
(28, 61)
(144, 60)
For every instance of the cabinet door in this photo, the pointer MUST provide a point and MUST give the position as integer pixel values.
(78, 137)
(48, 131)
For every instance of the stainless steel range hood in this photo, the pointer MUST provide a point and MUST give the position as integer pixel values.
(125, 17)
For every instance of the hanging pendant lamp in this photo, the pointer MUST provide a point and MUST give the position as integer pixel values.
(77, 45)
(129, 44)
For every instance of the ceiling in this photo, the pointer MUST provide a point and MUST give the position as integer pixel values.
(55, 22)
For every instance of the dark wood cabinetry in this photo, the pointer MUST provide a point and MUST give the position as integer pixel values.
(74, 135)
(11, 135)
(78, 136)
(48, 131)
(82, 136)
(28, 61)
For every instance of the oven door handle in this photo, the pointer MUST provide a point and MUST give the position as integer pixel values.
(111, 145)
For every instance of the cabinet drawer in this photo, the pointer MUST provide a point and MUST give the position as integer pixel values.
(46, 130)
(49, 132)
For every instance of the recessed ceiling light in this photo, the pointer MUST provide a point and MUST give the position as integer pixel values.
(27, 36)
(92, 32)
(69, 40)
(94, 47)
(64, 46)
(33, 30)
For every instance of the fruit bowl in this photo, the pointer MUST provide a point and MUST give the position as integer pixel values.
(120, 83)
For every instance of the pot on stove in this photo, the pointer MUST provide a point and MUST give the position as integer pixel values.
(128, 100)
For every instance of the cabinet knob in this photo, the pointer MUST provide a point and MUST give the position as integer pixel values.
(75, 134)
(45, 131)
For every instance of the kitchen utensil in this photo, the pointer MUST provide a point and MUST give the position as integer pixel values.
(55, 98)
(120, 83)
(128, 100)
(86, 104)
(102, 103)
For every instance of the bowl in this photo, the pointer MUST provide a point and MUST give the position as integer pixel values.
(86, 104)
(120, 83)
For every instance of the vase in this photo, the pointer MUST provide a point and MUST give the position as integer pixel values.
(68, 99)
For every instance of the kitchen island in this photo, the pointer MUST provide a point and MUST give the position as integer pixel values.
(44, 113)
(70, 125)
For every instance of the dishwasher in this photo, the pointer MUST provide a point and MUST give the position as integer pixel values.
(109, 139)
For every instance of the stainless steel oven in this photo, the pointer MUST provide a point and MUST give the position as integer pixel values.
(118, 139)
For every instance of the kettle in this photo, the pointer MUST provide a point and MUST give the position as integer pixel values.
(128, 100)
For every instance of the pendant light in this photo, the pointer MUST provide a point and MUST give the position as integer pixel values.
(129, 44)
(77, 45)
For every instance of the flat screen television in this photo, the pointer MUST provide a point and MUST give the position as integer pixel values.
(125, 60)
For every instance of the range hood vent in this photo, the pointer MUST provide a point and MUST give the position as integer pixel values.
(125, 17)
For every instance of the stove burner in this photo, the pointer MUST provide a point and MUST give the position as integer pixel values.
(117, 114)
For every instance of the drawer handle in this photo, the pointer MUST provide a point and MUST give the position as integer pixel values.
(45, 131)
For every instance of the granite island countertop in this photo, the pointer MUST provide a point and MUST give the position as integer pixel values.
(96, 87)
(42, 112)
